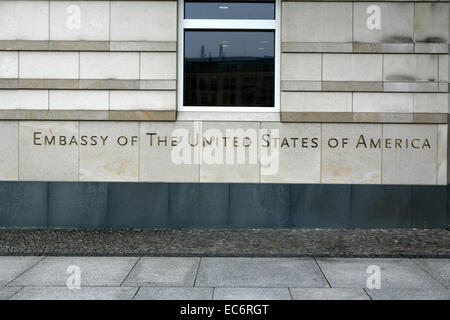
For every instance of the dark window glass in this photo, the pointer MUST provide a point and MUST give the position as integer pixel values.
(229, 10)
(229, 68)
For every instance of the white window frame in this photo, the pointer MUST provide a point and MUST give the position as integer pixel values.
(218, 24)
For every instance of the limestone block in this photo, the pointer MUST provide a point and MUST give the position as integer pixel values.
(241, 163)
(24, 99)
(165, 152)
(79, 100)
(383, 102)
(316, 101)
(109, 65)
(144, 20)
(430, 102)
(159, 65)
(142, 100)
(316, 22)
(48, 150)
(24, 20)
(48, 65)
(301, 66)
(409, 154)
(443, 68)
(410, 67)
(352, 67)
(441, 173)
(350, 153)
(79, 20)
(9, 144)
(395, 22)
(290, 152)
(431, 22)
(115, 154)
(9, 64)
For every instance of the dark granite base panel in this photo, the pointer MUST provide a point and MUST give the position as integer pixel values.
(220, 206)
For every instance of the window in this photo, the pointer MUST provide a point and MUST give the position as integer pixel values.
(228, 57)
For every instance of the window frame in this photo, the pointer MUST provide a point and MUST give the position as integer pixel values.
(228, 24)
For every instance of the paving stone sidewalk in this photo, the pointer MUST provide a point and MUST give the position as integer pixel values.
(222, 278)
(405, 243)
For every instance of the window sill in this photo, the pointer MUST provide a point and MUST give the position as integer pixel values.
(227, 116)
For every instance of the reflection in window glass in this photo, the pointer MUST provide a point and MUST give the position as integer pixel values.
(229, 10)
(229, 68)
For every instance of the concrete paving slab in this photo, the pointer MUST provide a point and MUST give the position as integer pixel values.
(84, 293)
(174, 293)
(395, 273)
(438, 268)
(409, 294)
(8, 292)
(252, 294)
(11, 267)
(259, 272)
(95, 271)
(162, 272)
(328, 294)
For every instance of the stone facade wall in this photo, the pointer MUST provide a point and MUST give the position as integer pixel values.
(363, 71)
(69, 59)
(376, 70)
